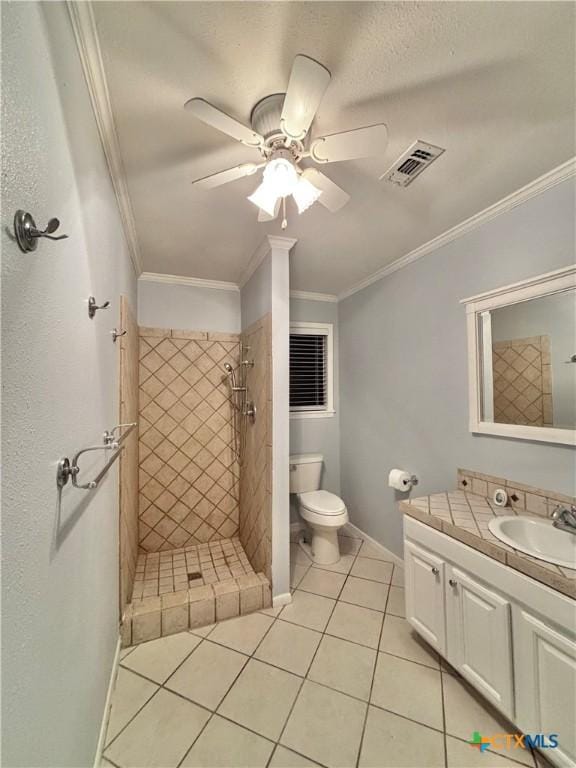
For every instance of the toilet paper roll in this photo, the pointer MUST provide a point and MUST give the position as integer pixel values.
(400, 480)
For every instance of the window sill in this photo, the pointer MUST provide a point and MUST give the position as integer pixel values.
(312, 414)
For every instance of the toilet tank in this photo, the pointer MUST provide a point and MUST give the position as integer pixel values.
(305, 471)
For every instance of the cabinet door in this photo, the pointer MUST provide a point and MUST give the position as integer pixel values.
(545, 666)
(424, 574)
(480, 638)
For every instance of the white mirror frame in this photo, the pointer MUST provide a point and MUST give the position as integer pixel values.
(543, 285)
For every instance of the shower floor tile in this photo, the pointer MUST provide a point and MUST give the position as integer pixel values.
(159, 573)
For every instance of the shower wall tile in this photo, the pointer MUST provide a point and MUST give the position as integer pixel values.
(256, 474)
(188, 479)
(523, 381)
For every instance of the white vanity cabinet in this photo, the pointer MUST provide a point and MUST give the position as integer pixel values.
(424, 575)
(545, 661)
(511, 637)
(479, 628)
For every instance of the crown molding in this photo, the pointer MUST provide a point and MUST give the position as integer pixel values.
(311, 296)
(556, 176)
(270, 243)
(196, 282)
(86, 34)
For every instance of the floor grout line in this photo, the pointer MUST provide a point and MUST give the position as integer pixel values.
(361, 743)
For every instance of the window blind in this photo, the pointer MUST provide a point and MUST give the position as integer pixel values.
(307, 371)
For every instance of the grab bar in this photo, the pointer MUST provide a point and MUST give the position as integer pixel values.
(69, 469)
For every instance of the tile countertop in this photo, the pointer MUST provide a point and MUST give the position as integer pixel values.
(465, 516)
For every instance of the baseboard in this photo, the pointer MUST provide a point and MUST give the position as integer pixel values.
(295, 528)
(280, 600)
(106, 714)
(385, 552)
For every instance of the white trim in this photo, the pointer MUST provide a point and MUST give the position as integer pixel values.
(196, 282)
(556, 176)
(270, 242)
(390, 555)
(86, 34)
(326, 329)
(106, 715)
(311, 296)
(528, 288)
(280, 600)
(312, 414)
(534, 287)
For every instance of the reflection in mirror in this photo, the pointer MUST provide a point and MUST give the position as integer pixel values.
(528, 362)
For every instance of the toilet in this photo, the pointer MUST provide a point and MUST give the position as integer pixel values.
(324, 512)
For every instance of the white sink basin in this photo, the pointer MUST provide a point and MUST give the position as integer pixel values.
(538, 538)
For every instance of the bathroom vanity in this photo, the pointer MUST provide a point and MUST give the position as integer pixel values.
(504, 620)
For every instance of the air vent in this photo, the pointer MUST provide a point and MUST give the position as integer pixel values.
(411, 164)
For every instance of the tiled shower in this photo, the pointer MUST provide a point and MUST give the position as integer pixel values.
(196, 535)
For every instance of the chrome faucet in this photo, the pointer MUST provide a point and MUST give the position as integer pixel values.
(564, 518)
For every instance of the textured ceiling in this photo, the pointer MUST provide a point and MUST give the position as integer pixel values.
(492, 82)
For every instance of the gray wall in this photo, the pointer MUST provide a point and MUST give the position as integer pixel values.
(256, 295)
(188, 307)
(60, 391)
(403, 367)
(553, 316)
(319, 435)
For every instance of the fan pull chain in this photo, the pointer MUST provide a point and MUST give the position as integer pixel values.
(284, 219)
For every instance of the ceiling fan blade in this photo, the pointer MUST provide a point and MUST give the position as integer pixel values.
(264, 216)
(223, 177)
(350, 145)
(208, 114)
(333, 197)
(308, 82)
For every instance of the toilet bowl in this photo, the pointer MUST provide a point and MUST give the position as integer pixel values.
(323, 512)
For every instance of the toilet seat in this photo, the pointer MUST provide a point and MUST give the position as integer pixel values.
(322, 503)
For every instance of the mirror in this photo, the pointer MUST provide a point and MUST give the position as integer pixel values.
(522, 362)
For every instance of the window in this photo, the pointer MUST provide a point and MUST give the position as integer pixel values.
(311, 370)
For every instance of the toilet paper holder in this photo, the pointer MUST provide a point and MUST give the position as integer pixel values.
(401, 480)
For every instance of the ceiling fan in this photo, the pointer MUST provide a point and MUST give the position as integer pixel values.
(279, 126)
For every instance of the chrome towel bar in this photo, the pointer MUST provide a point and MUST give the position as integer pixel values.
(67, 469)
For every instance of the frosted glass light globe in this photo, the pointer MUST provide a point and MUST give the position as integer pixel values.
(280, 177)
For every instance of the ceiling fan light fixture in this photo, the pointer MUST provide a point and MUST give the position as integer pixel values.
(264, 197)
(305, 194)
(281, 176)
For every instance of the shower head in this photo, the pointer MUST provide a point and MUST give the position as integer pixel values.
(228, 368)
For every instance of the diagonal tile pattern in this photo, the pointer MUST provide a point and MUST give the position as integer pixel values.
(188, 479)
(522, 381)
(277, 688)
(256, 474)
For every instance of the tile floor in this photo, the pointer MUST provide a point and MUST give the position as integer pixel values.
(335, 679)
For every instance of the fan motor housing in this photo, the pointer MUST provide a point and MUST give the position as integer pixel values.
(265, 115)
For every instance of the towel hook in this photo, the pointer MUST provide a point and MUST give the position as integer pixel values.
(27, 234)
(116, 334)
(92, 306)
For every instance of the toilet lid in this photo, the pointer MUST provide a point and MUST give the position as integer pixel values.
(322, 502)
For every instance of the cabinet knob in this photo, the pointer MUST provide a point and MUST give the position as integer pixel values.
(452, 582)
(435, 570)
